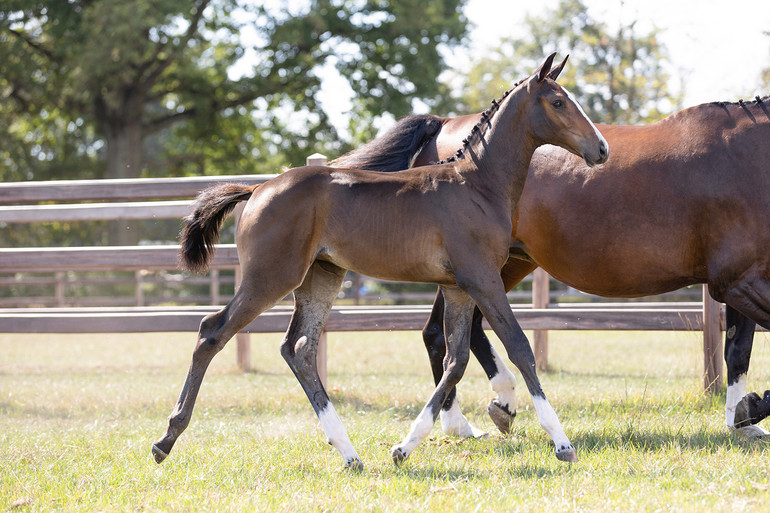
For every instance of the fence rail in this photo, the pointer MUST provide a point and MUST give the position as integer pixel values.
(169, 198)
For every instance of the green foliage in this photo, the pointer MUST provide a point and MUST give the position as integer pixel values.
(620, 77)
(109, 75)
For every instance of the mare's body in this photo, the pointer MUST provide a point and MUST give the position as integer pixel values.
(682, 201)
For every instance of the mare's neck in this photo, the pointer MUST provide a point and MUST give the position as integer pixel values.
(502, 152)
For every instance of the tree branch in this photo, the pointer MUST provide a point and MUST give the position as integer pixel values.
(39, 48)
(163, 64)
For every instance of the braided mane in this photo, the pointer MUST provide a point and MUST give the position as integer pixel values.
(757, 100)
(476, 130)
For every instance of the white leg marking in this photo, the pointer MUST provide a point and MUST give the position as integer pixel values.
(550, 422)
(504, 384)
(336, 433)
(454, 423)
(735, 393)
(419, 431)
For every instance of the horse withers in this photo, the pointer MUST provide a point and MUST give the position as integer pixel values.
(302, 230)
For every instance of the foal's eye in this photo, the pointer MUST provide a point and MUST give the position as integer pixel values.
(557, 104)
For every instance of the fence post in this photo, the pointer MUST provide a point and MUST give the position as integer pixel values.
(317, 159)
(59, 291)
(540, 298)
(214, 286)
(138, 289)
(242, 339)
(712, 343)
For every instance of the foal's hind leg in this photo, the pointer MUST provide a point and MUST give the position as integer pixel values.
(215, 331)
(312, 304)
(457, 323)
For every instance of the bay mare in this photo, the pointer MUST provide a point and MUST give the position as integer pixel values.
(302, 230)
(682, 201)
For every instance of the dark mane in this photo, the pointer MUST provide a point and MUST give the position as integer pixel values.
(477, 128)
(757, 100)
(394, 150)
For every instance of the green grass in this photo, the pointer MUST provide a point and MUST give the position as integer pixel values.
(78, 414)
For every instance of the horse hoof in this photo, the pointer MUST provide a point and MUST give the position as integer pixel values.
(567, 454)
(501, 416)
(354, 465)
(158, 454)
(752, 432)
(398, 454)
(745, 410)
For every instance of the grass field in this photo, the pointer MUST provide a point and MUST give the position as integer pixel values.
(78, 414)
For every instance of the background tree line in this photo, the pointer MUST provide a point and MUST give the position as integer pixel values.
(141, 88)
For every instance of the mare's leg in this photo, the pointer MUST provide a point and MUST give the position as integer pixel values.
(751, 297)
(312, 304)
(458, 310)
(739, 339)
(215, 331)
(493, 303)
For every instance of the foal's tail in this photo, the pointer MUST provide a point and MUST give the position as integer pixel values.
(201, 228)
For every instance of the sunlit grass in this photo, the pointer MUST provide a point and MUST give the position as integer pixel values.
(78, 414)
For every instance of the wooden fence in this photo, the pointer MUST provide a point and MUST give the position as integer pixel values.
(171, 198)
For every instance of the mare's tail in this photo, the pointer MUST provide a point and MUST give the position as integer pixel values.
(201, 228)
(394, 150)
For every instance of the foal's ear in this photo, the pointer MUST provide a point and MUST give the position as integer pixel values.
(554, 73)
(542, 72)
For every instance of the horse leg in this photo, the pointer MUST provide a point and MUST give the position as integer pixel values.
(502, 409)
(458, 310)
(453, 422)
(214, 332)
(739, 339)
(493, 303)
(751, 298)
(312, 303)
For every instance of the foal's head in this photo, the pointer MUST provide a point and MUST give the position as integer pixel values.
(556, 117)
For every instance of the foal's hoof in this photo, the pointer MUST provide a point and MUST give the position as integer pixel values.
(501, 416)
(354, 465)
(398, 454)
(566, 453)
(752, 432)
(158, 454)
(746, 411)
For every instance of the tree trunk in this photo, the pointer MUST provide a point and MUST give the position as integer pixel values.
(123, 133)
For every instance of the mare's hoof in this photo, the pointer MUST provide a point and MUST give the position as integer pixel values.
(746, 411)
(158, 454)
(398, 454)
(501, 416)
(354, 465)
(567, 454)
(752, 432)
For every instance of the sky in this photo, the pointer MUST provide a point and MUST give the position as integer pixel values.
(717, 47)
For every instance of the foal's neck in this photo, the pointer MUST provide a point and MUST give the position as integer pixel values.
(501, 154)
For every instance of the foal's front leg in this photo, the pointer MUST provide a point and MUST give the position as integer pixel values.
(458, 310)
(493, 303)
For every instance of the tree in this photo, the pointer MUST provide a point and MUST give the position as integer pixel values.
(99, 88)
(619, 76)
(131, 69)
